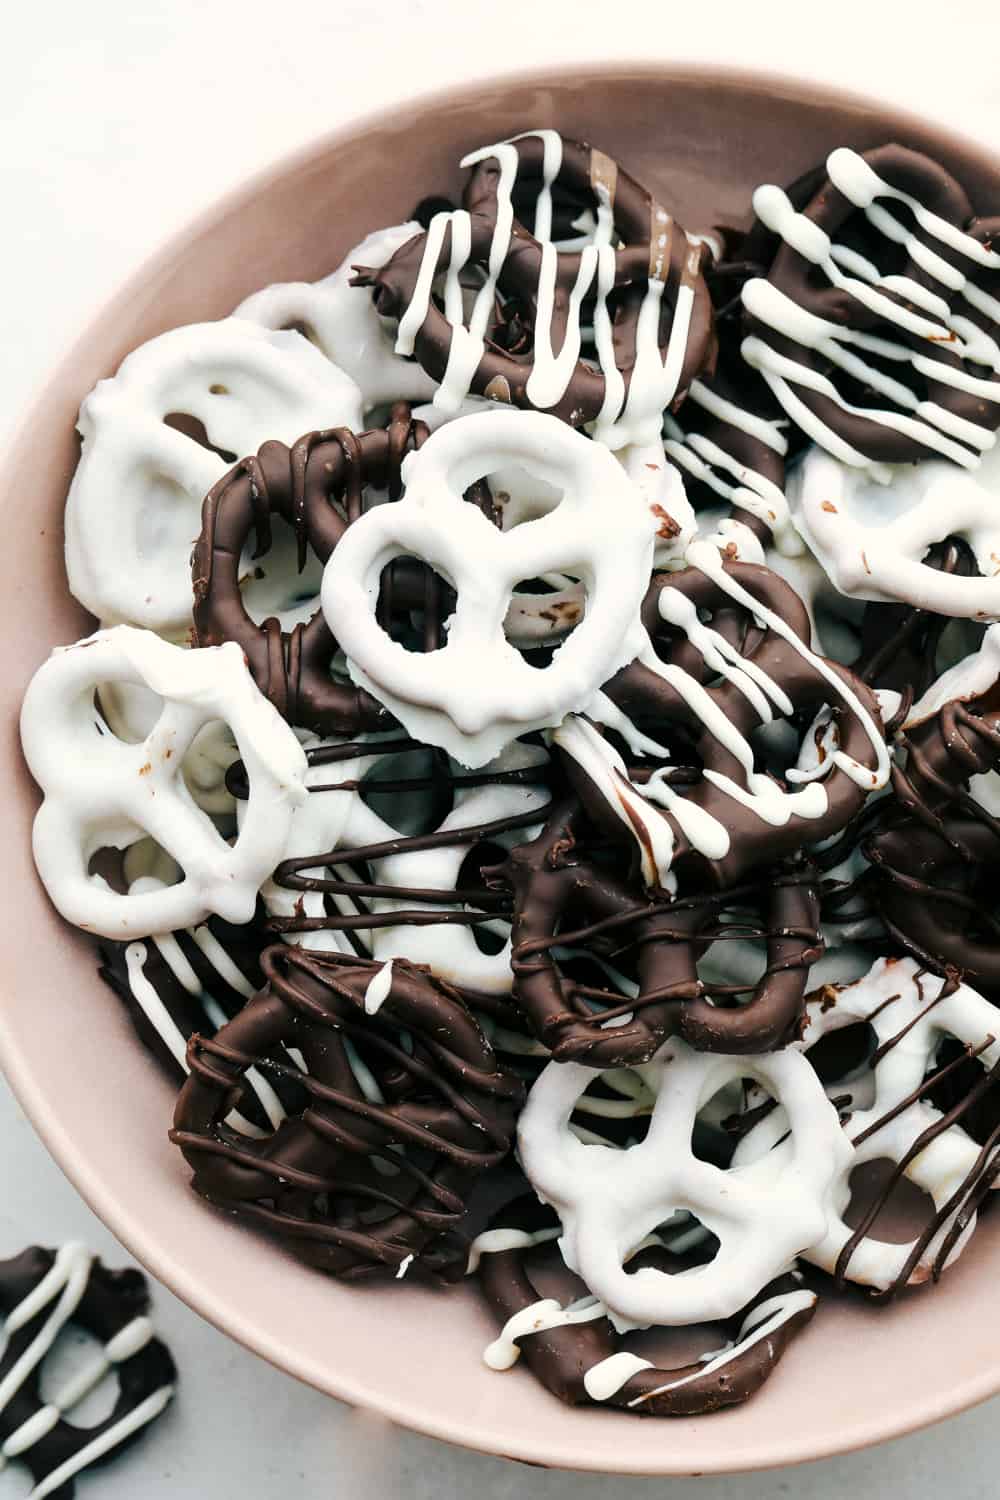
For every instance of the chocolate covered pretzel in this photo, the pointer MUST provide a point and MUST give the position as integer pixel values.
(881, 354)
(708, 688)
(522, 341)
(41, 1292)
(402, 1107)
(575, 1351)
(316, 487)
(564, 900)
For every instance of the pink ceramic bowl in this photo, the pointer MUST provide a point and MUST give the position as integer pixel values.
(702, 140)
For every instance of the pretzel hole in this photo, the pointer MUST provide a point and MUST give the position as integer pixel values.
(470, 279)
(74, 1351)
(726, 1117)
(980, 1118)
(520, 496)
(414, 604)
(194, 428)
(489, 938)
(775, 746)
(125, 710)
(616, 1107)
(959, 639)
(907, 1208)
(535, 625)
(271, 584)
(413, 790)
(840, 1054)
(597, 983)
(732, 953)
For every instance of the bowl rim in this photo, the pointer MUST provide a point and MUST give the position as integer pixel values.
(126, 1223)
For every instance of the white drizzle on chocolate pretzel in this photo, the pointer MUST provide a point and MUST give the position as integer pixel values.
(926, 422)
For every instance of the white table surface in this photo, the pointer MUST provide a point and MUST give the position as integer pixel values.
(121, 119)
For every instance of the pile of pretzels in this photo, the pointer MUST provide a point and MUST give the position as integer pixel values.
(535, 780)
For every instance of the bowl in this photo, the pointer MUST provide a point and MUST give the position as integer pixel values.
(701, 138)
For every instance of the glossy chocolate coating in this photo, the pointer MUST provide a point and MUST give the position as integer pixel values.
(316, 486)
(932, 186)
(560, 1357)
(447, 1116)
(935, 845)
(560, 897)
(111, 1301)
(507, 361)
(656, 705)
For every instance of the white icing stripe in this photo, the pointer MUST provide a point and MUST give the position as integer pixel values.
(764, 1320)
(766, 432)
(173, 956)
(654, 380)
(152, 1006)
(377, 991)
(65, 1284)
(551, 164)
(166, 1028)
(136, 1419)
(761, 793)
(605, 768)
(861, 185)
(709, 561)
(605, 1379)
(540, 1317)
(67, 1281)
(496, 1241)
(221, 962)
(860, 279)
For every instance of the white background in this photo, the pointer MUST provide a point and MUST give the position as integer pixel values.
(118, 123)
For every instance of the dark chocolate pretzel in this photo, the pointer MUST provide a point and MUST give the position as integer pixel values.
(316, 486)
(353, 1187)
(795, 276)
(656, 705)
(651, 243)
(562, 899)
(563, 1357)
(41, 1292)
(935, 846)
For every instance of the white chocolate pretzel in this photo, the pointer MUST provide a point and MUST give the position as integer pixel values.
(342, 322)
(102, 792)
(609, 1200)
(134, 507)
(478, 693)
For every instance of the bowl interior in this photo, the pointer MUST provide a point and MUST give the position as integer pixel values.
(702, 140)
